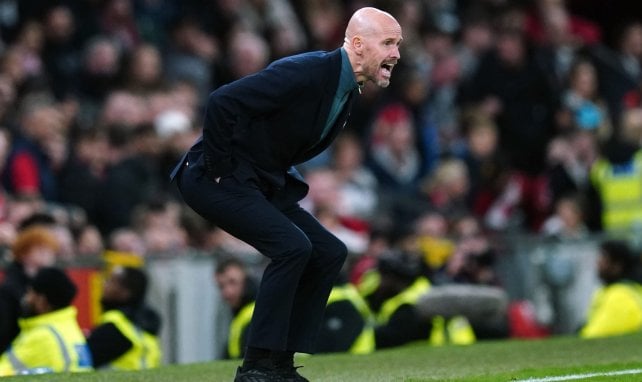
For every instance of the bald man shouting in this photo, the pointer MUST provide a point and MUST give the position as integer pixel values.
(240, 176)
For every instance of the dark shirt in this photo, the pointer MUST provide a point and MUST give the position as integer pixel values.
(12, 289)
(342, 324)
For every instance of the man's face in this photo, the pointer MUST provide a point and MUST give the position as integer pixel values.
(381, 52)
(231, 283)
(607, 270)
(114, 294)
(32, 304)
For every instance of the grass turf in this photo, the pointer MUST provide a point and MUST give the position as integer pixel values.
(493, 361)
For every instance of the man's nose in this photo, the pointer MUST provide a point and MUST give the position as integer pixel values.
(395, 53)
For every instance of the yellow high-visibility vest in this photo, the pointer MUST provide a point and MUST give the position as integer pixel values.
(620, 189)
(237, 327)
(48, 343)
(615, 309)
(457, 330)
(365, 342)
(145, 352)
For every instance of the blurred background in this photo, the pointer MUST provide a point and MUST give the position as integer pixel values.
(490, 157)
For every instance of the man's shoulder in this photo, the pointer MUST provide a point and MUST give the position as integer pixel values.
(310, 58)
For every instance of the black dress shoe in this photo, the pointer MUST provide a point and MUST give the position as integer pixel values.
(256, 375)
(291, 375)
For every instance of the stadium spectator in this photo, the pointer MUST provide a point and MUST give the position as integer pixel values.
(89, 241)
(33, 249)
(81, 179)
(50, 340)
(523, 114)
(61, 54)
(620, 67)
(486, 169)
(447, 189)
(357, 184)
(473, 259)
(131, 177)
(127, 336)
(560, 37)
(158, 222)
(392, 153)
(30, 167)
(616, 308)
(326, 202)
(569, 160)
(28, 52)
(431, 239)
(238, 289)
(247, 53)
(567, 221)
(582, 108)
(444, 76)
(98, 76)
(118, 22)
(143, 69)
(190, 54)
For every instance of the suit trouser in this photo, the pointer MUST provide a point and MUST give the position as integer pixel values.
(305, 257)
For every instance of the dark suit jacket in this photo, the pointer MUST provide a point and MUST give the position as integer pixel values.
(263, 124)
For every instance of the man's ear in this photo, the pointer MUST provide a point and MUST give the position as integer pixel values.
(357, 44)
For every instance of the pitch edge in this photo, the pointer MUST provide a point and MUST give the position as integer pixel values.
(572, 377)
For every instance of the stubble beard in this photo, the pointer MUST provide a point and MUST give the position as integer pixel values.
(383, 83)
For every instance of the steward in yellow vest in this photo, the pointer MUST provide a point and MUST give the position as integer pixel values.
(617, 189)
(617, 306)
(238, 290)
(348, 323)
(127, 336)
(50, 340)
(394, 302)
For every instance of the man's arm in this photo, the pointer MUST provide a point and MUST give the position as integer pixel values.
(404, 326)
(106, 344)
(232, 107)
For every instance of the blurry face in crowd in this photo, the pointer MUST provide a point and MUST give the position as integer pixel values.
(231, 284)
(584, 80)
(114, 294)
(511, 50)
(570, 213)
(483, 141)
(38, 256)
(33, 304)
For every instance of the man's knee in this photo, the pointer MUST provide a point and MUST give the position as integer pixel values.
(335, 250)
(299, 246)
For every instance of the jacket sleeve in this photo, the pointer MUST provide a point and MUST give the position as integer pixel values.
(8, 320)
(404, 326)
(106, 344)
(232, 107)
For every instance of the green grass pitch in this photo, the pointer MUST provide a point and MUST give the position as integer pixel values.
(554, 359)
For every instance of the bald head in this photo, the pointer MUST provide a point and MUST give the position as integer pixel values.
(372, 42)
(369, 20)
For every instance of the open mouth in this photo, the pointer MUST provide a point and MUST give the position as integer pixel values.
(387, 69)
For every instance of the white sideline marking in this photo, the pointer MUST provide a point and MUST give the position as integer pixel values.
(571, 377)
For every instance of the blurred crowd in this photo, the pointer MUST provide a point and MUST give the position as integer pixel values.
(503, 116)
